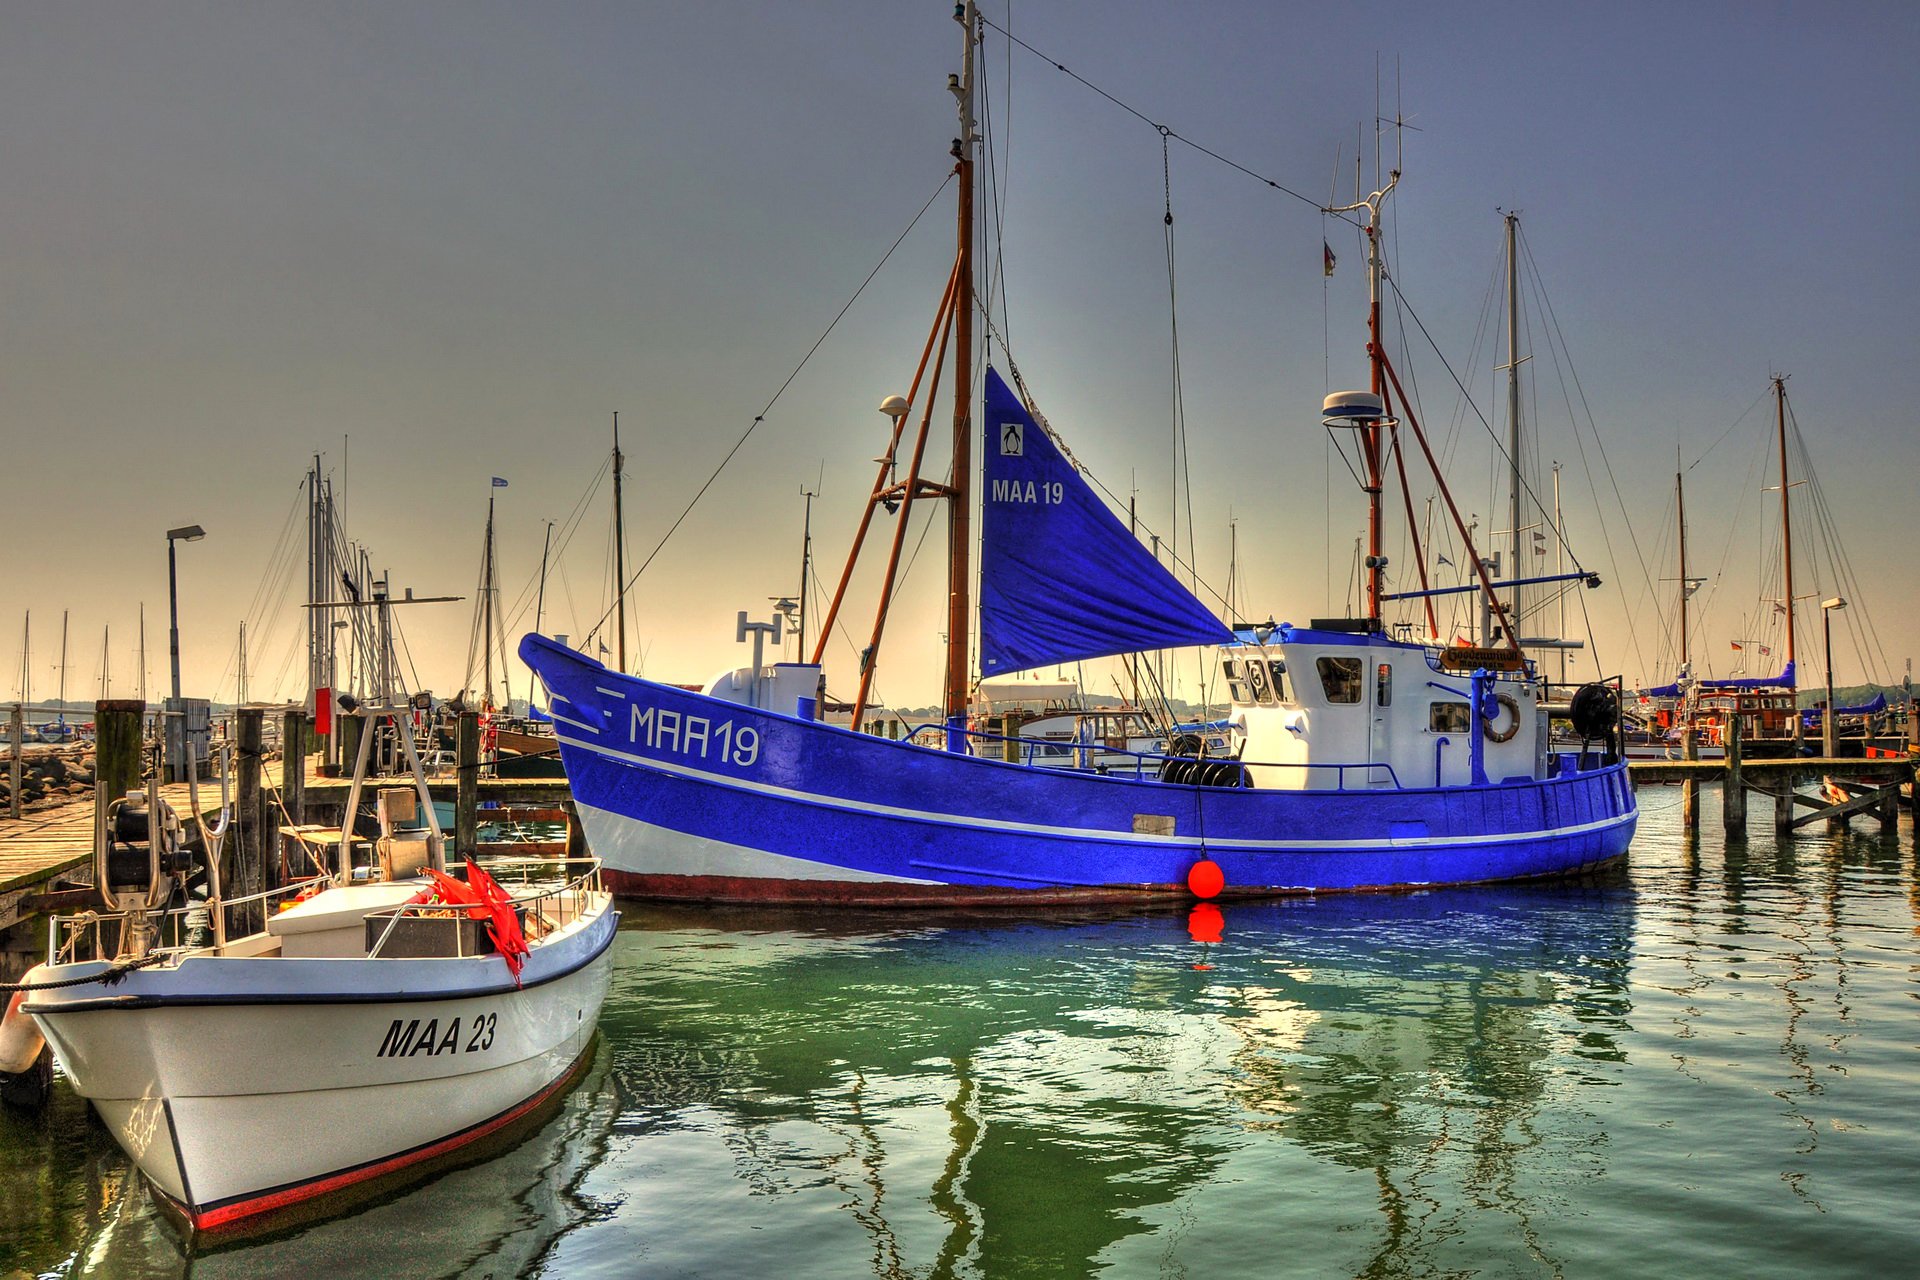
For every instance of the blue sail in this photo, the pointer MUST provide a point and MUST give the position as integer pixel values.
(1061, 579)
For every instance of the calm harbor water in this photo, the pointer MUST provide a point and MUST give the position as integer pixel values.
(1706, 1065)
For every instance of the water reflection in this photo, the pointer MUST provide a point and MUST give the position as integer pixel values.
(499, 1216)
(1030, 1098)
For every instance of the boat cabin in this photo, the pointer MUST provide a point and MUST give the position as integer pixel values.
(1322, 708)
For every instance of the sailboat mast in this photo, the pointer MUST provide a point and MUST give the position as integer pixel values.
(1513, 411)
(806, 570)
(1680, 499)
(540, 599)
(63, 669)
(960, 502)
(106, 661)
(1786, 540)
(1560, 559)
(486, 612)
(619, 554)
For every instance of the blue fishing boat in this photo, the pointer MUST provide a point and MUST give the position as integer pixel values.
(1357, 760)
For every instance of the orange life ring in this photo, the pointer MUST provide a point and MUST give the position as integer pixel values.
(1502, 735)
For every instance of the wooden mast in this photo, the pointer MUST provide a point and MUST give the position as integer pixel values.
(960, 501)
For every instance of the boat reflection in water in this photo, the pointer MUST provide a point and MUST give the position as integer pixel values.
(496, 1213)
(978, 1097)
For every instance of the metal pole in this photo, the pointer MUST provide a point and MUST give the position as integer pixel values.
(1826, 716)
(173, 614)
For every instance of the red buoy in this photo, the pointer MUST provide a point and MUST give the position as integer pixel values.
(1206, 879)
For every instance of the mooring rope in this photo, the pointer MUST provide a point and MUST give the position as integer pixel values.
(109, 977)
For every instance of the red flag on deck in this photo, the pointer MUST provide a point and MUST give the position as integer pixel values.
(503, 925)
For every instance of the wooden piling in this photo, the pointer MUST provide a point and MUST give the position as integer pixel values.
(17, 722)
(248, 860)
(466, 804)
(1690, 789)
(293, 764)
(118, 725)
(1783, 804)
(1734, 800)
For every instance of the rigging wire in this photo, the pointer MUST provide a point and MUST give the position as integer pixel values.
(780, 391)
(1166, 131)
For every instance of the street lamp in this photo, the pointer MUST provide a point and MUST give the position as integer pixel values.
(1827, 608)
(189, 533)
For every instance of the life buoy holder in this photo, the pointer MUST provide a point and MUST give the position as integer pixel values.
(1502, 735)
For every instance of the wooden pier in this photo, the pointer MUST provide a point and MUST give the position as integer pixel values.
(1848, 787)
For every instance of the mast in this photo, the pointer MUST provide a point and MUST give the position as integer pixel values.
(1786, 544)
(1515, 569)
(26, 667)
(960, 501)
(619, 552)
(62, 713)
(540, 599)
(1370, 432)
(106, 661)
(806, 570)
(143, 653)
(1680, 498)
(1560, 560)
(243, 662)
(486, 612)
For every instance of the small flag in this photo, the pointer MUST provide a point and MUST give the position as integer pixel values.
(498, 483)
(1778, 607)
(1765, 652)
(1445, 561)
(1736, 646)
(1327, 251)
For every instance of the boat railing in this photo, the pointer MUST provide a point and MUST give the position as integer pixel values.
(92, 935)
(1099, 757)
(548, 894)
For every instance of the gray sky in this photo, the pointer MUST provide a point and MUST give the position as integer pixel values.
(462, 236)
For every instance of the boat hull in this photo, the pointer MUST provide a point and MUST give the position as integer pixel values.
(686, 796)
(242, 1088)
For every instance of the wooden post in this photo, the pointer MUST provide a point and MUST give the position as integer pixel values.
(466, 823)
(18, 725)
(249, 850)
(118, 724)
(294, 741)
(1690, 789)
(1783, 802)
(576, 834)
(1735, 798)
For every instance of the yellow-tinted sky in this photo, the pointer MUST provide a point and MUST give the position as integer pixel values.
(439, 243)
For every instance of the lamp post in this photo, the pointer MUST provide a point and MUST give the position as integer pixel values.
(189, 533)
(1827, 608)
(174, 726)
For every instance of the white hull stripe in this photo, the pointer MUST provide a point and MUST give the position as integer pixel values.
(1080, 833)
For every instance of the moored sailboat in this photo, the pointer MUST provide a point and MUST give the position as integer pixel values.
(1359, 761)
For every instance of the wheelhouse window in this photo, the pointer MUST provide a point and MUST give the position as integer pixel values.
(1259, 682)
(1450, 717)
(1383, 684)
(1236, 685)
(1340, 678)
(1279, 669)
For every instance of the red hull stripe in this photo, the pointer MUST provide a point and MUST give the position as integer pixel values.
(227, 1213)
(870, 893)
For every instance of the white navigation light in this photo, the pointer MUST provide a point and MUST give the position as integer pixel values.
(1351, 408)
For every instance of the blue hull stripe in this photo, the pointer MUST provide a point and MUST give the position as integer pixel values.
(971, 822)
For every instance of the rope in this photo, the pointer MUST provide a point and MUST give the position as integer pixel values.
(110, 977)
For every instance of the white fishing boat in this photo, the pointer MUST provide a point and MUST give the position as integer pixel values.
(256, 1053)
